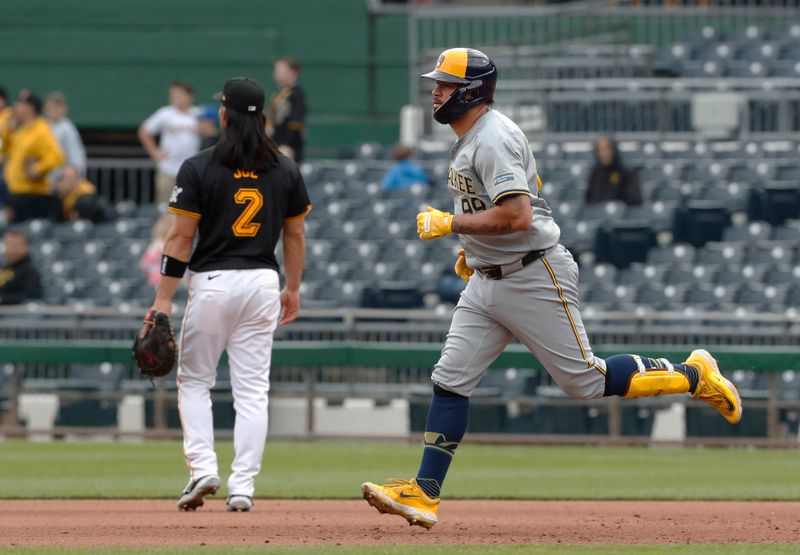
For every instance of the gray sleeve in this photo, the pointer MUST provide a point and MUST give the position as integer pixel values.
(499, 163)
(76, 153)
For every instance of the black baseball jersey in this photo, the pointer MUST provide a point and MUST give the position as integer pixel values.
(241, 212)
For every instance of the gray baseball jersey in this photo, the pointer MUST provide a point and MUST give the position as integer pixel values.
(538, 303)
(491, 161)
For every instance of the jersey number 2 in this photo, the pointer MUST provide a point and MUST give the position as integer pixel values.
(244, 225)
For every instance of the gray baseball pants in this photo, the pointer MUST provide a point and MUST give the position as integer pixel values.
(539, 306)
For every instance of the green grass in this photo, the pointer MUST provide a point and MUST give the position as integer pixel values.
(440, 550)
(335, 470)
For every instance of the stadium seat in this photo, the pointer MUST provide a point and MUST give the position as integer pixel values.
(74, 231)
(735, 274)
(597, 274)
(759, 297)
(733, 195)
(785, 68)
(793, 297)
(789, 231)
(775, 203)
(702, 68)
(759, 50)
(679, 274)
(673, 192)
(657, 297)
(37, 230)
(579, 237)
(675, 253)
(370, 151)
(768, 253)
(658, 214)
(392, 294)
(624, 242)
(700, 222)
(782, 274)
(374, 170)
(600, 295)
(125, 208)
(700, 298)
(344, 293)
(747, 68)
(741, 173)
(719, 253)
(449, 286)
(752, 231)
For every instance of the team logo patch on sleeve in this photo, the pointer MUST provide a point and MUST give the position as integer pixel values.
(175, 192)
(503, 178)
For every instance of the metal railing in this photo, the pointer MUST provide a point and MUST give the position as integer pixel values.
(504, 28)
(54, 324)
(647, 109)
(118, 179)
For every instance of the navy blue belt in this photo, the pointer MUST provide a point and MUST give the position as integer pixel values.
(499, 272)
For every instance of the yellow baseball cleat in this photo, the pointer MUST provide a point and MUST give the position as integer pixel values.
(713, 388)
(404, 498)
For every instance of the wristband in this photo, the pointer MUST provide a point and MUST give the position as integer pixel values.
(172, 267)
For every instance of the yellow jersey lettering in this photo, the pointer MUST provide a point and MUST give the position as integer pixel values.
(241, 174)
(244, 226)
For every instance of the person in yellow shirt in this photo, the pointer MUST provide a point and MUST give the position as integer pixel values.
(5, 109)
(31, 153)
(76, 198)
(5, 112)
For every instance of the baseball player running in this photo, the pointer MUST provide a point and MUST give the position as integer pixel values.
(237, 197)
(520, 283)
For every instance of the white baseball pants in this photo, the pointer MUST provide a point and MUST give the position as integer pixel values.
(235, 311)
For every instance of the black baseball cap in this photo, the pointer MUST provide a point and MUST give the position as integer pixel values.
(242, 95)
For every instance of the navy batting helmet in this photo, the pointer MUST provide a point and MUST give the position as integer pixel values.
(473, 71)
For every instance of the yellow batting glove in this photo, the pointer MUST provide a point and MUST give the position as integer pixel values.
(462, 270)
(433, 223)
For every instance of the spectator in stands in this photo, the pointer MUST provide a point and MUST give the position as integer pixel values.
(65, 132)
(5, 112)
(150, 263)
(286, 114)
(208, 126)
(5, 109)
(176, 125)
(31, 152)
(405, 172)
(76, 198)
(19, 278)
(610, 179)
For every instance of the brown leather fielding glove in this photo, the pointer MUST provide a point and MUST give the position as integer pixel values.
(156, 352)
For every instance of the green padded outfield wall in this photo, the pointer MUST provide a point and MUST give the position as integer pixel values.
(115, 58)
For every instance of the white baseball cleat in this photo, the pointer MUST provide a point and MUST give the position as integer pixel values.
(239, 503)
(192, 496)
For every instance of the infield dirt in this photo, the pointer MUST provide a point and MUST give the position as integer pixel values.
(153, 523)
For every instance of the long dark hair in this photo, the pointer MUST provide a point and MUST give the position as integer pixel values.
(244, 144)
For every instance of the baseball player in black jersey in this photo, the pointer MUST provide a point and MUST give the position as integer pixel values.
(237, 198)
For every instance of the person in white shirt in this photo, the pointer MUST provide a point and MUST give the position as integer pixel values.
(65, 132)
(176, 125)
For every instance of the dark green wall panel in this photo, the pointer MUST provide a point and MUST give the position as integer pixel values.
(114, 59)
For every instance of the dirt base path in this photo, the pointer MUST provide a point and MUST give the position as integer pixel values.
(150, 523)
